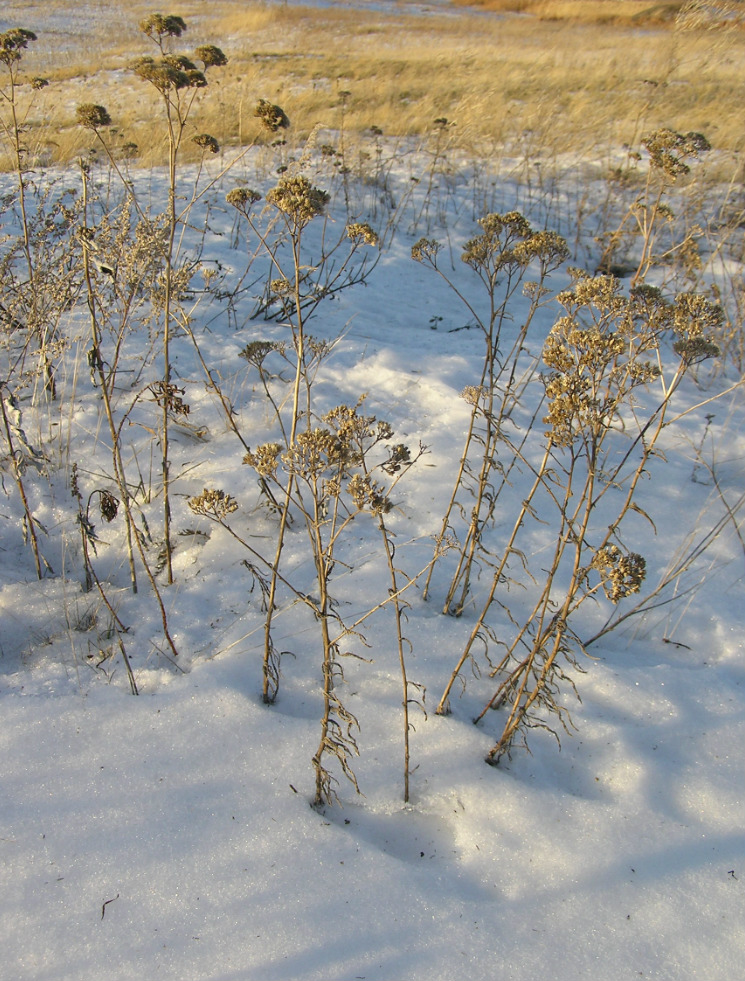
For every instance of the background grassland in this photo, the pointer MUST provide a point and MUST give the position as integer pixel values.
(563, 84)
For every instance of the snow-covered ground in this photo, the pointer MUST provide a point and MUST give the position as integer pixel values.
(170, 835)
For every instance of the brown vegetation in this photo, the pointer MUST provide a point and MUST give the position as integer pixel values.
(572, 80)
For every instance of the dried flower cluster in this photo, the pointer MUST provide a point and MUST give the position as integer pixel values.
(109, 506)
(425, 249)
(362, 234)
(571, 407)
(160, 26)
(621, 573)
(264, 459)
(92, 116)
(399, 457)
(315, 453)
(242, 198)
(170, 396)
(499, 233)
(206, 142)
(298, 199)
(472, 394)
(668, 151)
(170, 73)
(13, 42)
(255, 352)
(211, 56)
(280, 287)
(214, 504)
(367, 494)
(272, 117)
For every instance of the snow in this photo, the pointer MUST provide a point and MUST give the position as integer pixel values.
(171, 835)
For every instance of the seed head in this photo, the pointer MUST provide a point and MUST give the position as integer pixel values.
(281, 287)
(668, 151)
(298, 199)
(206, 142)
(694, 315)
(172, 72)
(92, 116)
(361, 233)
(273, 117)
(215, 504)
(255, 352)
(242, 198)
(211, 56)
(425, 250)
(622, 574)
(265, 459)
(13, 42)
(157, 26)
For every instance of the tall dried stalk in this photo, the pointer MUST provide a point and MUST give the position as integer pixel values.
(13, 43)
(501, 257)
(601, 354)
(177, 81)
(297, 293)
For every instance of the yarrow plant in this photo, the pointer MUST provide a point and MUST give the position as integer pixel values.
(501, 256)
(601, 437)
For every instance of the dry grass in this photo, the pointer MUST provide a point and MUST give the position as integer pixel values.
(629, 13)
(561, 85)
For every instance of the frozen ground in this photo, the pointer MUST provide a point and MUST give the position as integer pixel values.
(170, 835)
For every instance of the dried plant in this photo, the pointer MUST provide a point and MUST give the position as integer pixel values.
(501, 257)
(601, 437)
(177, 80)
(668, 156)
(33, 309)
(329, 475)
(296, 203)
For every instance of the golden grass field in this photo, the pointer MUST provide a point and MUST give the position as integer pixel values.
(568, 76)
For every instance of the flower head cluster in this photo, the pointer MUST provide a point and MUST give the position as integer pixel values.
(647, 309)
(264, 459)
(601, 292)
(316, 452)
(272, 117)
(160, 26)
(255, 352)
(571, 407)
(362, 234)
(399, 456)
(170, 396)
(472, 394)
(280, 287)
(425, 250)
(494, 246)
(694, 315)
(92, 116)
(170, 73)
(668, 151)
(694, 320)
(572, 348)
(366, 493)
(242, 198)
(211, 56)
(548, 248)
(298, 199)
(214, 504)
(206, 142)
(13, 42)
(621, 573)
